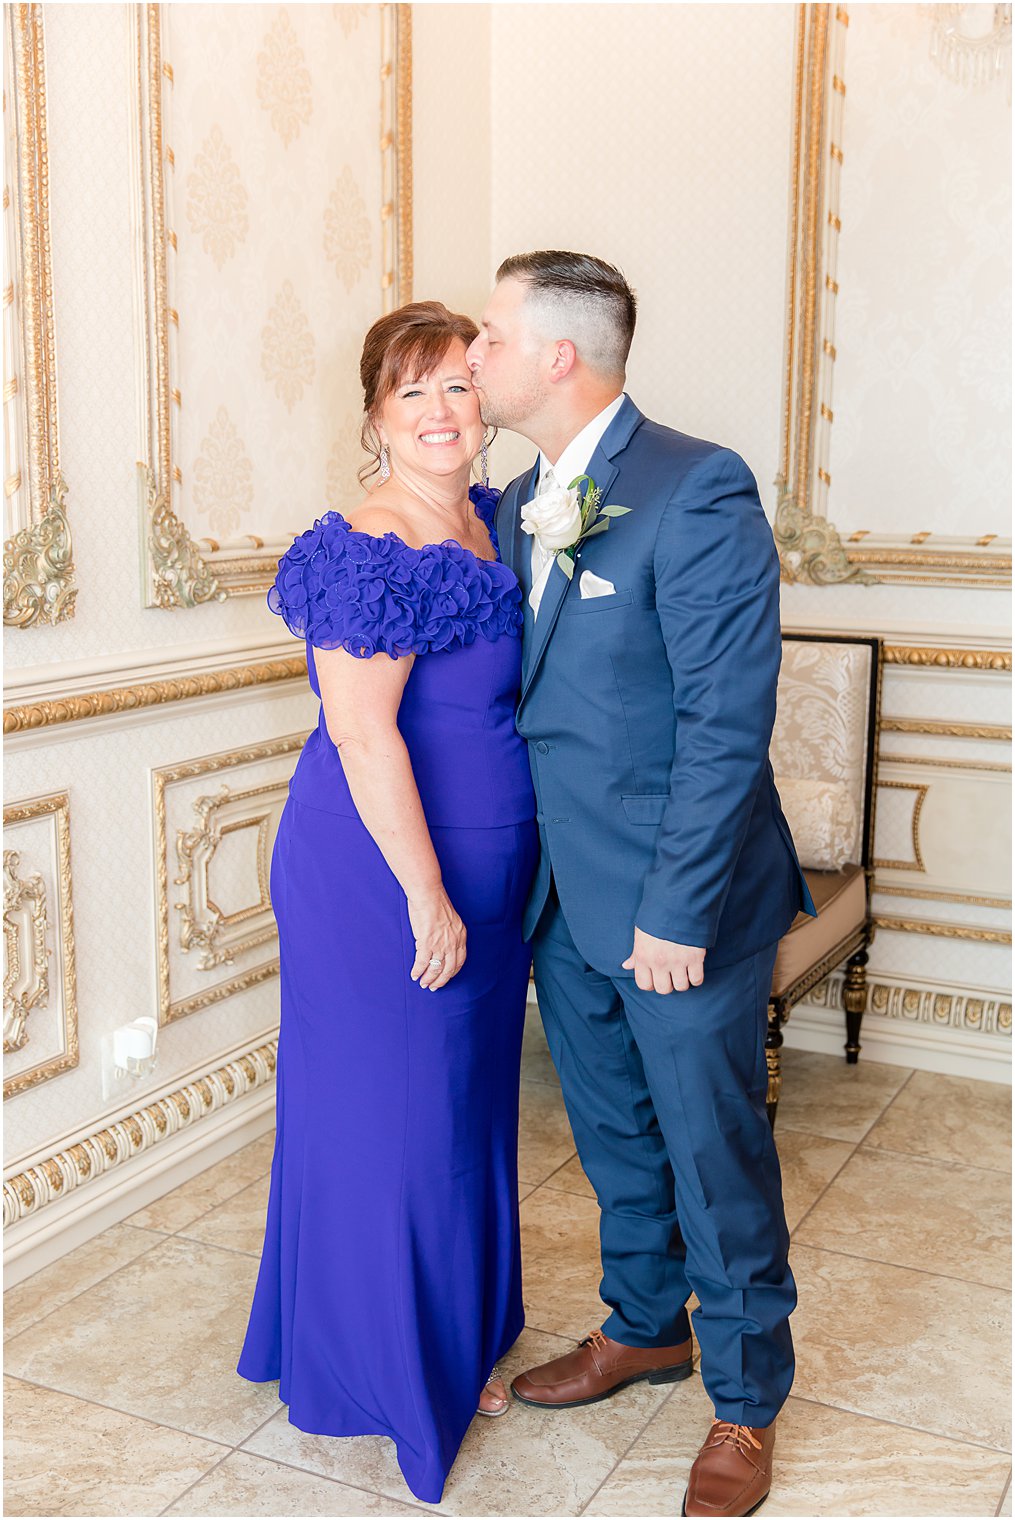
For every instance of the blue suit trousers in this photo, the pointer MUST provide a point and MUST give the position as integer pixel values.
(666, 1098)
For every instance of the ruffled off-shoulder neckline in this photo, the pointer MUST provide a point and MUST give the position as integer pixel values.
(484, 499)
(343, 588)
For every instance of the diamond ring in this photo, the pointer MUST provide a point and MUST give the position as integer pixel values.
(436, 962)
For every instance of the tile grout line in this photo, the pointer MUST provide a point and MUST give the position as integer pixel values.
(923, 1430)
(129, 1414)
(224, 1458)
(876, 1120)
(159, 1235)
(75, 1296)
(373, 1493)
(1000, 1502)
(628, 1449)
(814, 1202)
(241, 1450)
(183, 1494)
(969, 1282)
(205, 1212)
(887, 1150)
(534, 1185)
(888, 1106)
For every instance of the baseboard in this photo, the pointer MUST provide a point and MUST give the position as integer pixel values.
(952, 1052)
(39, 1239)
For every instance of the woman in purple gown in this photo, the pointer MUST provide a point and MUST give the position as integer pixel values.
(390, 1279)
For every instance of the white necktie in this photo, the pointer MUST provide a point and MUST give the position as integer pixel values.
(542, 559)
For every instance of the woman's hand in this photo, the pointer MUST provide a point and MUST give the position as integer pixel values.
(439, 934)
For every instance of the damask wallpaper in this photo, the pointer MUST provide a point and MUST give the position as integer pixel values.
(274, 197)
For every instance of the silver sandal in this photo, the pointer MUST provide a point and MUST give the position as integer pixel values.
(495, 1414)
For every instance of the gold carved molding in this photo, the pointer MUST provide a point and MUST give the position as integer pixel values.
(916, 864)
(121, 699)
(811, 549)
(64, 1171)
(946, 763)
(946, 728)
(179, 567)
(171, 1008)
(932, 894)
(219, 936)
(179, 575)
(932, 657)
(26, 968)
(396, 154)
(38, 553)
(57, 807)
(946, 931)
(921, 1005)
(39, 568)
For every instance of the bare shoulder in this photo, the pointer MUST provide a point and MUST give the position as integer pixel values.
(382, 517)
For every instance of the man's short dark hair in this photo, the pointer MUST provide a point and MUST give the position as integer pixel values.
(584, 292)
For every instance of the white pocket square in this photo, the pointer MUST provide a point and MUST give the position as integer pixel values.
(594, 585)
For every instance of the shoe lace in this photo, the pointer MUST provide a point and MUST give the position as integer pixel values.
(596, 1339)
(740, 1436)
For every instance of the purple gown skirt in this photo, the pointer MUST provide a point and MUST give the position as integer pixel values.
(390, 1281)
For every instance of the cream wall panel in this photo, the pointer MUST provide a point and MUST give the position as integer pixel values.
(922, 399)
(917, 614)
(965, 696)
(108, 777)
(90, 166)
(963, 828)
(659, 137)
(273, 120)
(451, 155)
(959, 964)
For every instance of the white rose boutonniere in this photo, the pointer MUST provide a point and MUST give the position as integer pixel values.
(562, 519)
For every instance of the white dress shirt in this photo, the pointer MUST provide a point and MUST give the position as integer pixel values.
(573, 461)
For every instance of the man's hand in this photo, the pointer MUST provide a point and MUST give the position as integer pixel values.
(659, 965)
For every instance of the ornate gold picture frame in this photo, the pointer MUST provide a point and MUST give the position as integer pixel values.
(217, 941)
(811, 549)
(179, 567)
(39, 939)
(38, 553)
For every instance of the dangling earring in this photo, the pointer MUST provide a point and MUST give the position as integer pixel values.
(484, 463)
(385, 466)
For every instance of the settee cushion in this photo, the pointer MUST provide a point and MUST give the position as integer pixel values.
(841, 900)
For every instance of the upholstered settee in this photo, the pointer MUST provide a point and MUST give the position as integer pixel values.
(824, 754)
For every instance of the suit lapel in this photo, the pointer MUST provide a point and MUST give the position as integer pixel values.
(603, 469)
(538, 629)
(515, 547)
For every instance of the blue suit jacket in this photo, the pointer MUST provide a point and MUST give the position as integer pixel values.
(649, 712)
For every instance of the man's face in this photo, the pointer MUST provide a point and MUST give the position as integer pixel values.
(509, 361)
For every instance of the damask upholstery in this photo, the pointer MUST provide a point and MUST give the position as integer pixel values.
(819, 748)
(825, 818)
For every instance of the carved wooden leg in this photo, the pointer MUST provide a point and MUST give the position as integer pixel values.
(773, 1056)
(854, 1000)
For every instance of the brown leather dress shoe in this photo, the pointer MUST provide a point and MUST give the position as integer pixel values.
(597, 1368)
(732, 1472)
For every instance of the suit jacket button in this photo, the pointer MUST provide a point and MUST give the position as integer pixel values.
(544, 749)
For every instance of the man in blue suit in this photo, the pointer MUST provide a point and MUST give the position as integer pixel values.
(667, 871)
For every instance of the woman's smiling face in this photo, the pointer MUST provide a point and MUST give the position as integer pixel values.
(432, 422)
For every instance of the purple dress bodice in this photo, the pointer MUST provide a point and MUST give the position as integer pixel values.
(461, 617)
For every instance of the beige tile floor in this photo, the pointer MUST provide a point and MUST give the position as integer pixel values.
(122, 1399)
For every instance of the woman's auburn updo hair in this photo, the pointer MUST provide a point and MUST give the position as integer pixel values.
(405, 345)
